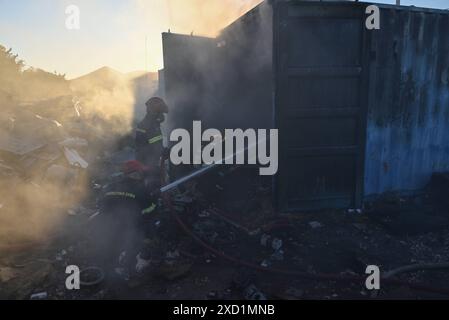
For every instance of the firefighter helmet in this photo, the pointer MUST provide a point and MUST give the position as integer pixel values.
(156, 105)
(134, 166)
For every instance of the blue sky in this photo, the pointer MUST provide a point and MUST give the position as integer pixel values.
(114, 32)
(108, 36)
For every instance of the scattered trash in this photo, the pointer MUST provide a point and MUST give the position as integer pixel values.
(266, 263)
(91, 276)
(39, 296)
(172, 271)
(315, 224)
(94, 216)
(267, 240)
(72, 212)
(6, 171)
(74, 158)
(123, 273)
(142, 264)
(122, 258)
(60, 256)
(254, 232)
(359, 226)
(204, 214)
(172, 255)
(278, 255)
(74, 143)
(206, 230)
(7, 274)
(253, 293)
(60, 174)
(183, 200)
(294, 294)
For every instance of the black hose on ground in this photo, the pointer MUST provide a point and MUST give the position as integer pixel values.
(304, 275)
(416, 267)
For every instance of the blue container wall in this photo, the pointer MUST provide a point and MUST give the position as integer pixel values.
(408, 112)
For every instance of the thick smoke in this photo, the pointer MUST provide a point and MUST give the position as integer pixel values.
(107, 96)
(200, 17)
(31, 208)
(40, 110)
(206, 17)
(225, 81)
(34, 198)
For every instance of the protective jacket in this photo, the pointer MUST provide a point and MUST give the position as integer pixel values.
(149, 141)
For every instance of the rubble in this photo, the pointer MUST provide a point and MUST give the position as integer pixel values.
(34, 144)
(293, 294)
(39, 296)
(142, 264)
(91, 276)
(30, 277)
(58, 173)
(74, 143)
(177, 266)
(354, 211)
(74, 158)
(267, 241)
(253, 293)
(6, 274)
(315, 225)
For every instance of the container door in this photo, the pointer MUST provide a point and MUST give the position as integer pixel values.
(319, 104)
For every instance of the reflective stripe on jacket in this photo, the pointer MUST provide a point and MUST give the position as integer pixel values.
(121, 194)
(149, 209)
(155, 139)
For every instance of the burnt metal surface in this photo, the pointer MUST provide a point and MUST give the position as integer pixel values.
(408, 118)
(359, 112)
(320, 83)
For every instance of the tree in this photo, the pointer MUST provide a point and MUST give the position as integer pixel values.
(10, 71)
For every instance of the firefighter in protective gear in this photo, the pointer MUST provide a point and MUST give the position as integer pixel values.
(149, 140)
(124, 207)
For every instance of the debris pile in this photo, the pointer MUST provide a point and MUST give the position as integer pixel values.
(237, 223)
(43, 164)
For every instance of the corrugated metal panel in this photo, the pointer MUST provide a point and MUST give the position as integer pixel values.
(408, 119)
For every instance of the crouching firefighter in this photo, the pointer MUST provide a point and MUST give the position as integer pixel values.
(123, 209)
(149, 140)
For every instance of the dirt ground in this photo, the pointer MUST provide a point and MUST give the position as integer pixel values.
(230, 211)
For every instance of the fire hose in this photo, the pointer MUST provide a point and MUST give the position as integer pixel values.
(304, 275)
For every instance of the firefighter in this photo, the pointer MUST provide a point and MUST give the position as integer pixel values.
(123, 209)
(149, 140)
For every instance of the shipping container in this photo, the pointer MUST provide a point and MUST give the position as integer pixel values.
(360, 112)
